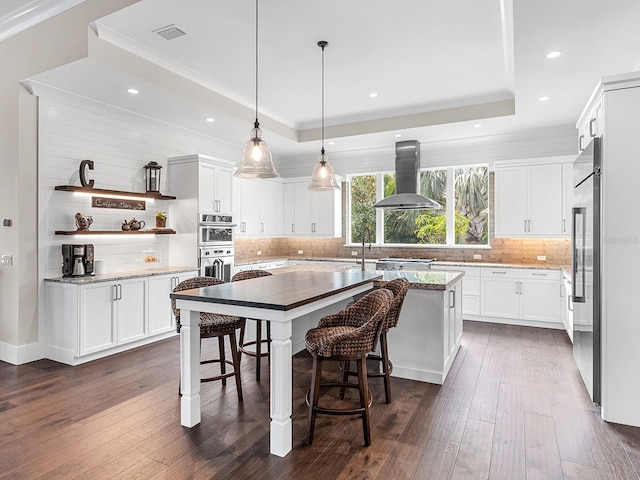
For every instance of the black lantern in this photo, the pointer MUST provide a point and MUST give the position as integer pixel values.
(153, 176)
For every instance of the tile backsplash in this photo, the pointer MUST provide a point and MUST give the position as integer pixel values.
(503, 250)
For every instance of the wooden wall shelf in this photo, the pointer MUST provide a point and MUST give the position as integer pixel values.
(163, 231)
(103, 191)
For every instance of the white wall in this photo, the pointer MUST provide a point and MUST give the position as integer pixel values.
(38, 49)
(542, 142)
(120, 144)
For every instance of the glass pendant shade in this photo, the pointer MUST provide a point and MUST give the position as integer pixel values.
(256, 159)
(323, 177)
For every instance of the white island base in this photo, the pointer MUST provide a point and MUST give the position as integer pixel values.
(424, 344)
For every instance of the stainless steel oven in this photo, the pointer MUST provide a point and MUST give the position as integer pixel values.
(216, 261)
(215, 230)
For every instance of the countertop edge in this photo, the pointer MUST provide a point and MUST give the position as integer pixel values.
(110, 277)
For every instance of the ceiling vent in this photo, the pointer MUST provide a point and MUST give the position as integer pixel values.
(169, 32)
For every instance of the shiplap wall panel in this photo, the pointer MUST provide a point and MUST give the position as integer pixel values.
(542, 142)
(120, 143)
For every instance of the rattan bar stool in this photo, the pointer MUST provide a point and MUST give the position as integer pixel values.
(258, 353)
(399, 287)
(346, 336)
(213, 325)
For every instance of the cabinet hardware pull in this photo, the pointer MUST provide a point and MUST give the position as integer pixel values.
(120, 290)
(293, 228)
(452, 299)
(570, 302)
(115, 293)
(261, 227)
(592, 132)
(564, 225)
(580, 147)
(539, 274)
(499, 273)
(525, 225)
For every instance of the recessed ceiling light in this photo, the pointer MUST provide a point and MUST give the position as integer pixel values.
(373, 94)
(210, 119)
(331, 143)
(132, 91)
(477, 125)
(554, 54)
(543, 99)
(398, 135)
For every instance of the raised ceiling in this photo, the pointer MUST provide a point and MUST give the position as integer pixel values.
(438, 68)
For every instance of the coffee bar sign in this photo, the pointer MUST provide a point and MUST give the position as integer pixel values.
(105, 202)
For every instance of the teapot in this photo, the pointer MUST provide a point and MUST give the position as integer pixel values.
(83, 222)
(136, 224)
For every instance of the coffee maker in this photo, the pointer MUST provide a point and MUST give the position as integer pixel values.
(77, 260)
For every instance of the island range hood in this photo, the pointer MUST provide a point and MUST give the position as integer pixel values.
(407, 175)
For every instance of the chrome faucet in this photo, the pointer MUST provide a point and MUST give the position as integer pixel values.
(365, 230)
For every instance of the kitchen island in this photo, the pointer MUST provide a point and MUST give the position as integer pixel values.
(424, 344)
(280, 299)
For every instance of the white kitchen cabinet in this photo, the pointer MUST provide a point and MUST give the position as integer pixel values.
(470, 287)
(161, 319)
(112, 313)
(258, 207)
(311, 214)
(214, 188)
(530, 296)
(201, 184)
(566, 309)
(92, 320)
(567, 197)
(528, 200)
(591, 124)
(499, 293)
(424, 344)
(98, 319)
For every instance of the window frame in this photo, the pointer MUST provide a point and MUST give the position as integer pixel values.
(449, 211)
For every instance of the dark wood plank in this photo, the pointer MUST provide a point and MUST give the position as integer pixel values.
(474, 455)
(542, 454)
(508, 452)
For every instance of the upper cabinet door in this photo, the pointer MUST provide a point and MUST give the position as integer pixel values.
(529, 201)
(223, 181)
(545, 199)
(206, 188)
(511, 201)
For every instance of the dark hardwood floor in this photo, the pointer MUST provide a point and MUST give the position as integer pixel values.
(513, 407)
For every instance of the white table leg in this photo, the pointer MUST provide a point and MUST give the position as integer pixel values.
(281, 388)
(190, 368)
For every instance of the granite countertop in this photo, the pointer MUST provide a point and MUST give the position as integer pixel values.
(110, 277)
(540, 266)
(424, 280)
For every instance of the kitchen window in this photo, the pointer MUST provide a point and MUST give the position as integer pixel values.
(464, 221)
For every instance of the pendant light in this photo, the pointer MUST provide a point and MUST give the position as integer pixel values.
(323, 177)
(256, 159)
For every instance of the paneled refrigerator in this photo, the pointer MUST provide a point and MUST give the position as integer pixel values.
(585, 266)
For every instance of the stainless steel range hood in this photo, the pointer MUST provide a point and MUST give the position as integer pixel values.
(407, 175)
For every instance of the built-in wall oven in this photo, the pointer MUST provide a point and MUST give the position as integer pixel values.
(215, 230)
(216, 261)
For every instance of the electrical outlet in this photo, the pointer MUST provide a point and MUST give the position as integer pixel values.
(542, 258)
(477, 256)
(6, 260)
(354, 254)
(300, 252)
(259, 252)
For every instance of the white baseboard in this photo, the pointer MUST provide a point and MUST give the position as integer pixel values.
(513, 321)
(20, 354)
